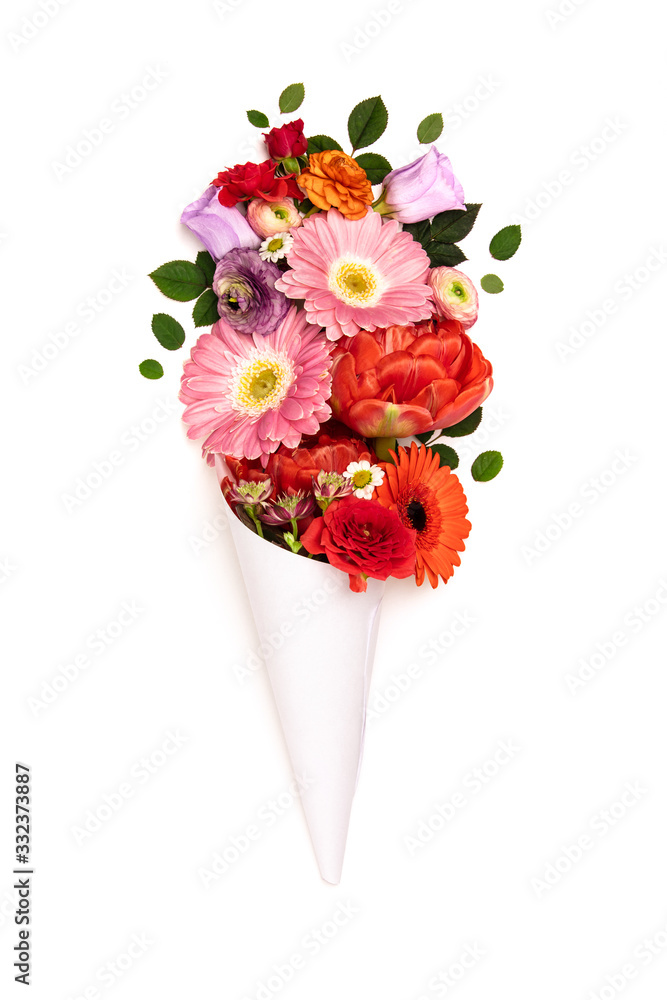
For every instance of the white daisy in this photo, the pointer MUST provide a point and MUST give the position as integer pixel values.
(364, 478)
(274, 248)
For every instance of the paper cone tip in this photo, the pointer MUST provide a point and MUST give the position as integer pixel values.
(320, 675)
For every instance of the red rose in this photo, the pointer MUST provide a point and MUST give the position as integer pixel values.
(408, 379)
(359, 538)
(288, 140)
(293, 469)
(254, 180)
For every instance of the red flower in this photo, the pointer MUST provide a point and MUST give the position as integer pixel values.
(408, 379)
(292, 469)
(288, 140)
(362, 538)
(254, 180)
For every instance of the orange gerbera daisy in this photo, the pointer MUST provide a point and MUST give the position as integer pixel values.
(429, 498)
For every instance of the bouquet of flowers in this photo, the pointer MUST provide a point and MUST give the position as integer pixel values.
(337, 365)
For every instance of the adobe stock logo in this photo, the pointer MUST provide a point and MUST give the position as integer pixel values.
(367, 32)
(588, 495)
(32, 25)
(121, 109)
(599, 826)
(85, 313)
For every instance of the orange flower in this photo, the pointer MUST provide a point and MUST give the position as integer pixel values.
(335, 180)
(429, 498)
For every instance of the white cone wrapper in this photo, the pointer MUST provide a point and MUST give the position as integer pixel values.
(320, 675)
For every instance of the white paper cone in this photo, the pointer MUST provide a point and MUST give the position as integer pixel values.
(320, 675)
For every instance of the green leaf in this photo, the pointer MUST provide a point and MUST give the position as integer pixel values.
(207, 265)
(430, 128)
(205, 312)
(505, 243)
(179, 280)
(151, 369)
(487, 466)
(367, 122)
(446, 455)
(258, 119)
(168, 332)
(492, 284)
(426, 436)
(376, 166)
(452, 226)
(466, 426)
(291, 98)
(420, 231)
(444, 254)
(318, 143)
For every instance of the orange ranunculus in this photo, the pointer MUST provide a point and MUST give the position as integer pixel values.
(408, 379)
(335, 180)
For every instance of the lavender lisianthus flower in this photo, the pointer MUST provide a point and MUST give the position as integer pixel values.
(220, 229)
(421, 189)
(248, 300)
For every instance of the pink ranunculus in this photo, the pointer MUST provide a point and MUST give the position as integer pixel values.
(270, 217)
(454, 295)
(422, 189)
(220, 229)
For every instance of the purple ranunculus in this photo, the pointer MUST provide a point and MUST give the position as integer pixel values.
(422, 189)
(220, 229)
(248, 300)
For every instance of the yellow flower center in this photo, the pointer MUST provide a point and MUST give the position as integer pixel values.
(361, 478)
(261, 382)
(355, 282)
(275, 244)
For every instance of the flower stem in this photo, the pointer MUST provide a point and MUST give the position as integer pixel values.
(382, 446)
(380, 205)
(295, 529)
(256, 521)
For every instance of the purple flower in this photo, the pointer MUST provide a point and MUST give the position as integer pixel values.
(289, 508)
(248, 300)
(330, 486)
(250, 494)
(220, 229)
(421, 189)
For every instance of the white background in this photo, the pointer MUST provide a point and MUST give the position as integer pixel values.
(535, 94)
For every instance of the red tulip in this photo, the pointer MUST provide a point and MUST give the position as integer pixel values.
(293, 469)
(408, 379)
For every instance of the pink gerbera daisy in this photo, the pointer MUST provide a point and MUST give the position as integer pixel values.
(357, 275)
(249, 394)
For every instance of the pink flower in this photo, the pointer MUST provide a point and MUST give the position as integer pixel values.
(270, 217)
(356, 275)
(248, 394)
(454, 295)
